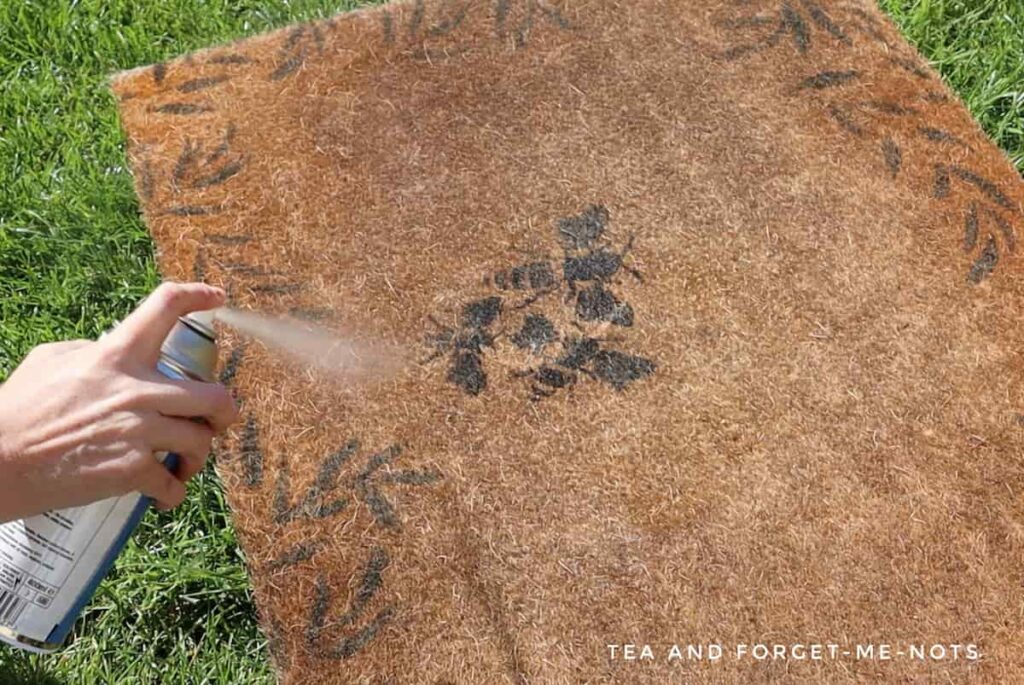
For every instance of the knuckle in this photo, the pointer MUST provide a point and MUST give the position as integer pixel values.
(140, 392)
(226, 403)
(125, 427)
(225, 408)
(132, 424)
(121, 392)
(169, 294)
(98, 367)
(111, 350)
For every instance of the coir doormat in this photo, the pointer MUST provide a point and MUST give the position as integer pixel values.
(714, 310)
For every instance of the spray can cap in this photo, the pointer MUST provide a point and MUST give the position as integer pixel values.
(191, 346)
(202, 322)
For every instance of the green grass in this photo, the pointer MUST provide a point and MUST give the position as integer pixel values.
(75, 257)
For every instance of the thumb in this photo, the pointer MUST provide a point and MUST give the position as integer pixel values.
(146, 328)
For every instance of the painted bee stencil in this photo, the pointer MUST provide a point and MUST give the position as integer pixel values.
(582, 282)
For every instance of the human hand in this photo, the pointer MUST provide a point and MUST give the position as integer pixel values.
(80, 420)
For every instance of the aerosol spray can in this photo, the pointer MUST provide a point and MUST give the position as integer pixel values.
(51, 564)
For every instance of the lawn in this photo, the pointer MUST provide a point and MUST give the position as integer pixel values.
(75, 257)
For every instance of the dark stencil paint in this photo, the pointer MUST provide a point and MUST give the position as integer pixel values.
(532, 276)
(251, 453)
(829, 79)
(181, 108)
(598, 304)
(467, 372)
(619, 370)
(481, 313)
(369, 586)
(893, 156)
(579, 232)
(985, 263)
(375, 475)
(315, 503)
(537, 331)
(304, 551)
(587, 259)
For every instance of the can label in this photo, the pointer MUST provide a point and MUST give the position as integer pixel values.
(48, 562)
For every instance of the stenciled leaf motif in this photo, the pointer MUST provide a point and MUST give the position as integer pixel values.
(986, 216)
(353, 639)
(301, 42)
(518, 19)
(320, 501)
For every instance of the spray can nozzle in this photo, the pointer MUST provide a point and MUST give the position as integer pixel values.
(201, 322)
(191, 347)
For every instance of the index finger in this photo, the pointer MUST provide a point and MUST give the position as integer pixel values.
(145, 329)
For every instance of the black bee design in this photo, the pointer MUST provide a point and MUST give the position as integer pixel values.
(466, 344)
(589, 270)
(586, 356)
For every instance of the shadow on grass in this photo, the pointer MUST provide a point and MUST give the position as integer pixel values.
(18, 670)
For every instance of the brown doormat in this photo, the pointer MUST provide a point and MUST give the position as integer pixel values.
(715, 315)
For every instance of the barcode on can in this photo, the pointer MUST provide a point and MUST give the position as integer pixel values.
(11, 606)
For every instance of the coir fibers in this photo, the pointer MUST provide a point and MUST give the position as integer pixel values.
(715, 310)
